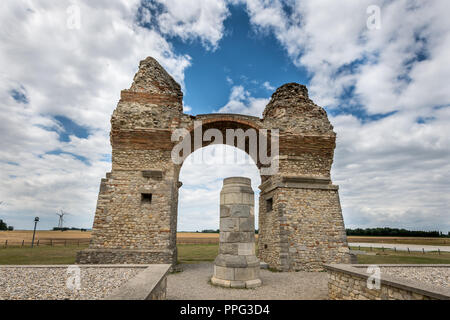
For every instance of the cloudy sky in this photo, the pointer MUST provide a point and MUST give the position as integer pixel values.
(380, 68)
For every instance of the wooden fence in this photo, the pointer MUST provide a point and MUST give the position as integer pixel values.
(45, 242)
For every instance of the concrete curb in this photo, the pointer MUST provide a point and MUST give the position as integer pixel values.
(149, 284)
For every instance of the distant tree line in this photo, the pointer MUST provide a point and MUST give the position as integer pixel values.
(5, 227)
(217, 231)
(210, 231)
(66, 229)
(393, 232)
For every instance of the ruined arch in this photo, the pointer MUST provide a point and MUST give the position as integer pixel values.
(301, 227)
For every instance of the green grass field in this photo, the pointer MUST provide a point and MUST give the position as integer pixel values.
(193, 253)
(401, 257)
(39, 255)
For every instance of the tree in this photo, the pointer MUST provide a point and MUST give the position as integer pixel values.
(3, 226)
(10, 228)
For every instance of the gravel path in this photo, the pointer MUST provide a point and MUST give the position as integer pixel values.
(431, 275)
(50, 283)
(193, 284)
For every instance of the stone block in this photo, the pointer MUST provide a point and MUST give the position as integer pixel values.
(221, 282)
(246, 249)
(228, 237)
(232, 198)
(248, 198)
(224, 273)
(252, 261)
(229, 248)
(246, 273)
(229, 224)
(247, 237)
(237, 284)
(224, 211)
(251, 284)
(240, 211)
(231, 261)
(247, 224)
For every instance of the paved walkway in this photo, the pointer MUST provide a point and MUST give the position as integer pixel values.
(193, 284)
(401, 247)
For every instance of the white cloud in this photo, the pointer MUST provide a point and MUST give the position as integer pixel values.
(393, 171)
(268, 86)
(186, 108)
(76, 73)
(242, 102)
(190, 19)
(327, 36)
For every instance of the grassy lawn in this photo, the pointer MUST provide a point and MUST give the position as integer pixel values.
(193, 253)
(187, 253)
(39, 255)
(399, 257)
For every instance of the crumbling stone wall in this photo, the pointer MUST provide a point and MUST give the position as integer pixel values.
(304, 227)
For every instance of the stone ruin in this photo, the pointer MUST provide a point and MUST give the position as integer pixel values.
(300, 219)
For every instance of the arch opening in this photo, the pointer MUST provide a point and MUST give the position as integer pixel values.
(202, 175)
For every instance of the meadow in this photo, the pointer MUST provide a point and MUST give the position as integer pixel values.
(72, 237)
(56, 247)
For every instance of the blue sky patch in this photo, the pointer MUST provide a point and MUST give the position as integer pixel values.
(71, 128)
(76, 156)
(19, 95)
(243, 57)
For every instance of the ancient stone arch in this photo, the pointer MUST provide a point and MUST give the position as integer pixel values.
(300, 219)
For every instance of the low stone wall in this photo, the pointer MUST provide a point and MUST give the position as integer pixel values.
(118, 256)
(349, 282)
(151, 284)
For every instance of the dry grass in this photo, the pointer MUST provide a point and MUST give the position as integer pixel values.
(401, 240)
(44, 237)
(16, 237)
(197, 238)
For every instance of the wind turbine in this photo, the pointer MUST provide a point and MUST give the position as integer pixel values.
(61, 219)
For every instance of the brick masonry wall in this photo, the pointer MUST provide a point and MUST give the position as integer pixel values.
(304, 230)
(313, 228)
(269, 244)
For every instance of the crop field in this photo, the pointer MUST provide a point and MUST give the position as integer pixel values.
(402, 240)
(52, 238)
(73, 237)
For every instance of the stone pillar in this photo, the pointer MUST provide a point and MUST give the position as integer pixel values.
(236, 266)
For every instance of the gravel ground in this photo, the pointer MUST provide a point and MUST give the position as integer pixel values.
(193, 284)
(431, 275)
(50, 283)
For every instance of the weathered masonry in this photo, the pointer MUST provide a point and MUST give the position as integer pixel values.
(300, 219)
(236, 266)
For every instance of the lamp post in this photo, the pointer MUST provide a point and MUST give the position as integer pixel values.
(36, 220)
